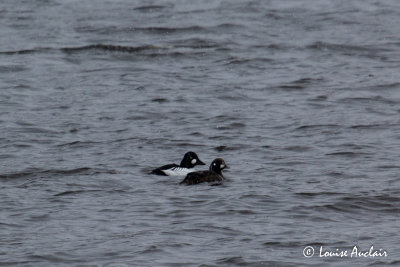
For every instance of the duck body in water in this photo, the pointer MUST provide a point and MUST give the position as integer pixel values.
(214, 174)
(190, 160)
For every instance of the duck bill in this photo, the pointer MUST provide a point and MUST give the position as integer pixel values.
(199, 162)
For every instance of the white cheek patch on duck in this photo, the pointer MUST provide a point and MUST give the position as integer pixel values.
(222, 166)
(193, 161)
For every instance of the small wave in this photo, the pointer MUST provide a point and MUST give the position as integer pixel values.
(159, 100)
(234, 125)
(389, 166)
(334, 174)
(70, 171)
(350, 50)
(316, 194)
(220, 148)
(78, 144)
(191, 29)
(26, 128)
(152, 249)
(22, 174)
(297, 148)
(299, 84)
(14, 225)
(75, 192)
(239, 61)
(306, 127)
(291, 87)
(372, 126)
(347, 154)
(339, 47)
(185, 144)
(167, 30)
(23, 51)
(386, 86)
(103, 47)
(319, 98)
(229, 148)
(282, 244)
(273, 47)
(240, 261)
(54, 172)
(196, 43)
(57, 258)
(379, 203)
(174, 54)
(111, 48)
(150, 8)
(13, 68)
(373, 99)
(39, 218)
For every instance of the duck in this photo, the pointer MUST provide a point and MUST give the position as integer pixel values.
(214, 174)
(190, 159)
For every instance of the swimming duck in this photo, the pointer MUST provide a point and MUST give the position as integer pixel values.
(214, 174)
(190, 159)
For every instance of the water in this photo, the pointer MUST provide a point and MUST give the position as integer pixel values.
(301, 99)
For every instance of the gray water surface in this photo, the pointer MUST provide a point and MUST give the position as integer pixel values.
(301, 99)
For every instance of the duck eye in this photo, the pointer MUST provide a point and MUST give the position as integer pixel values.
(214, 164)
